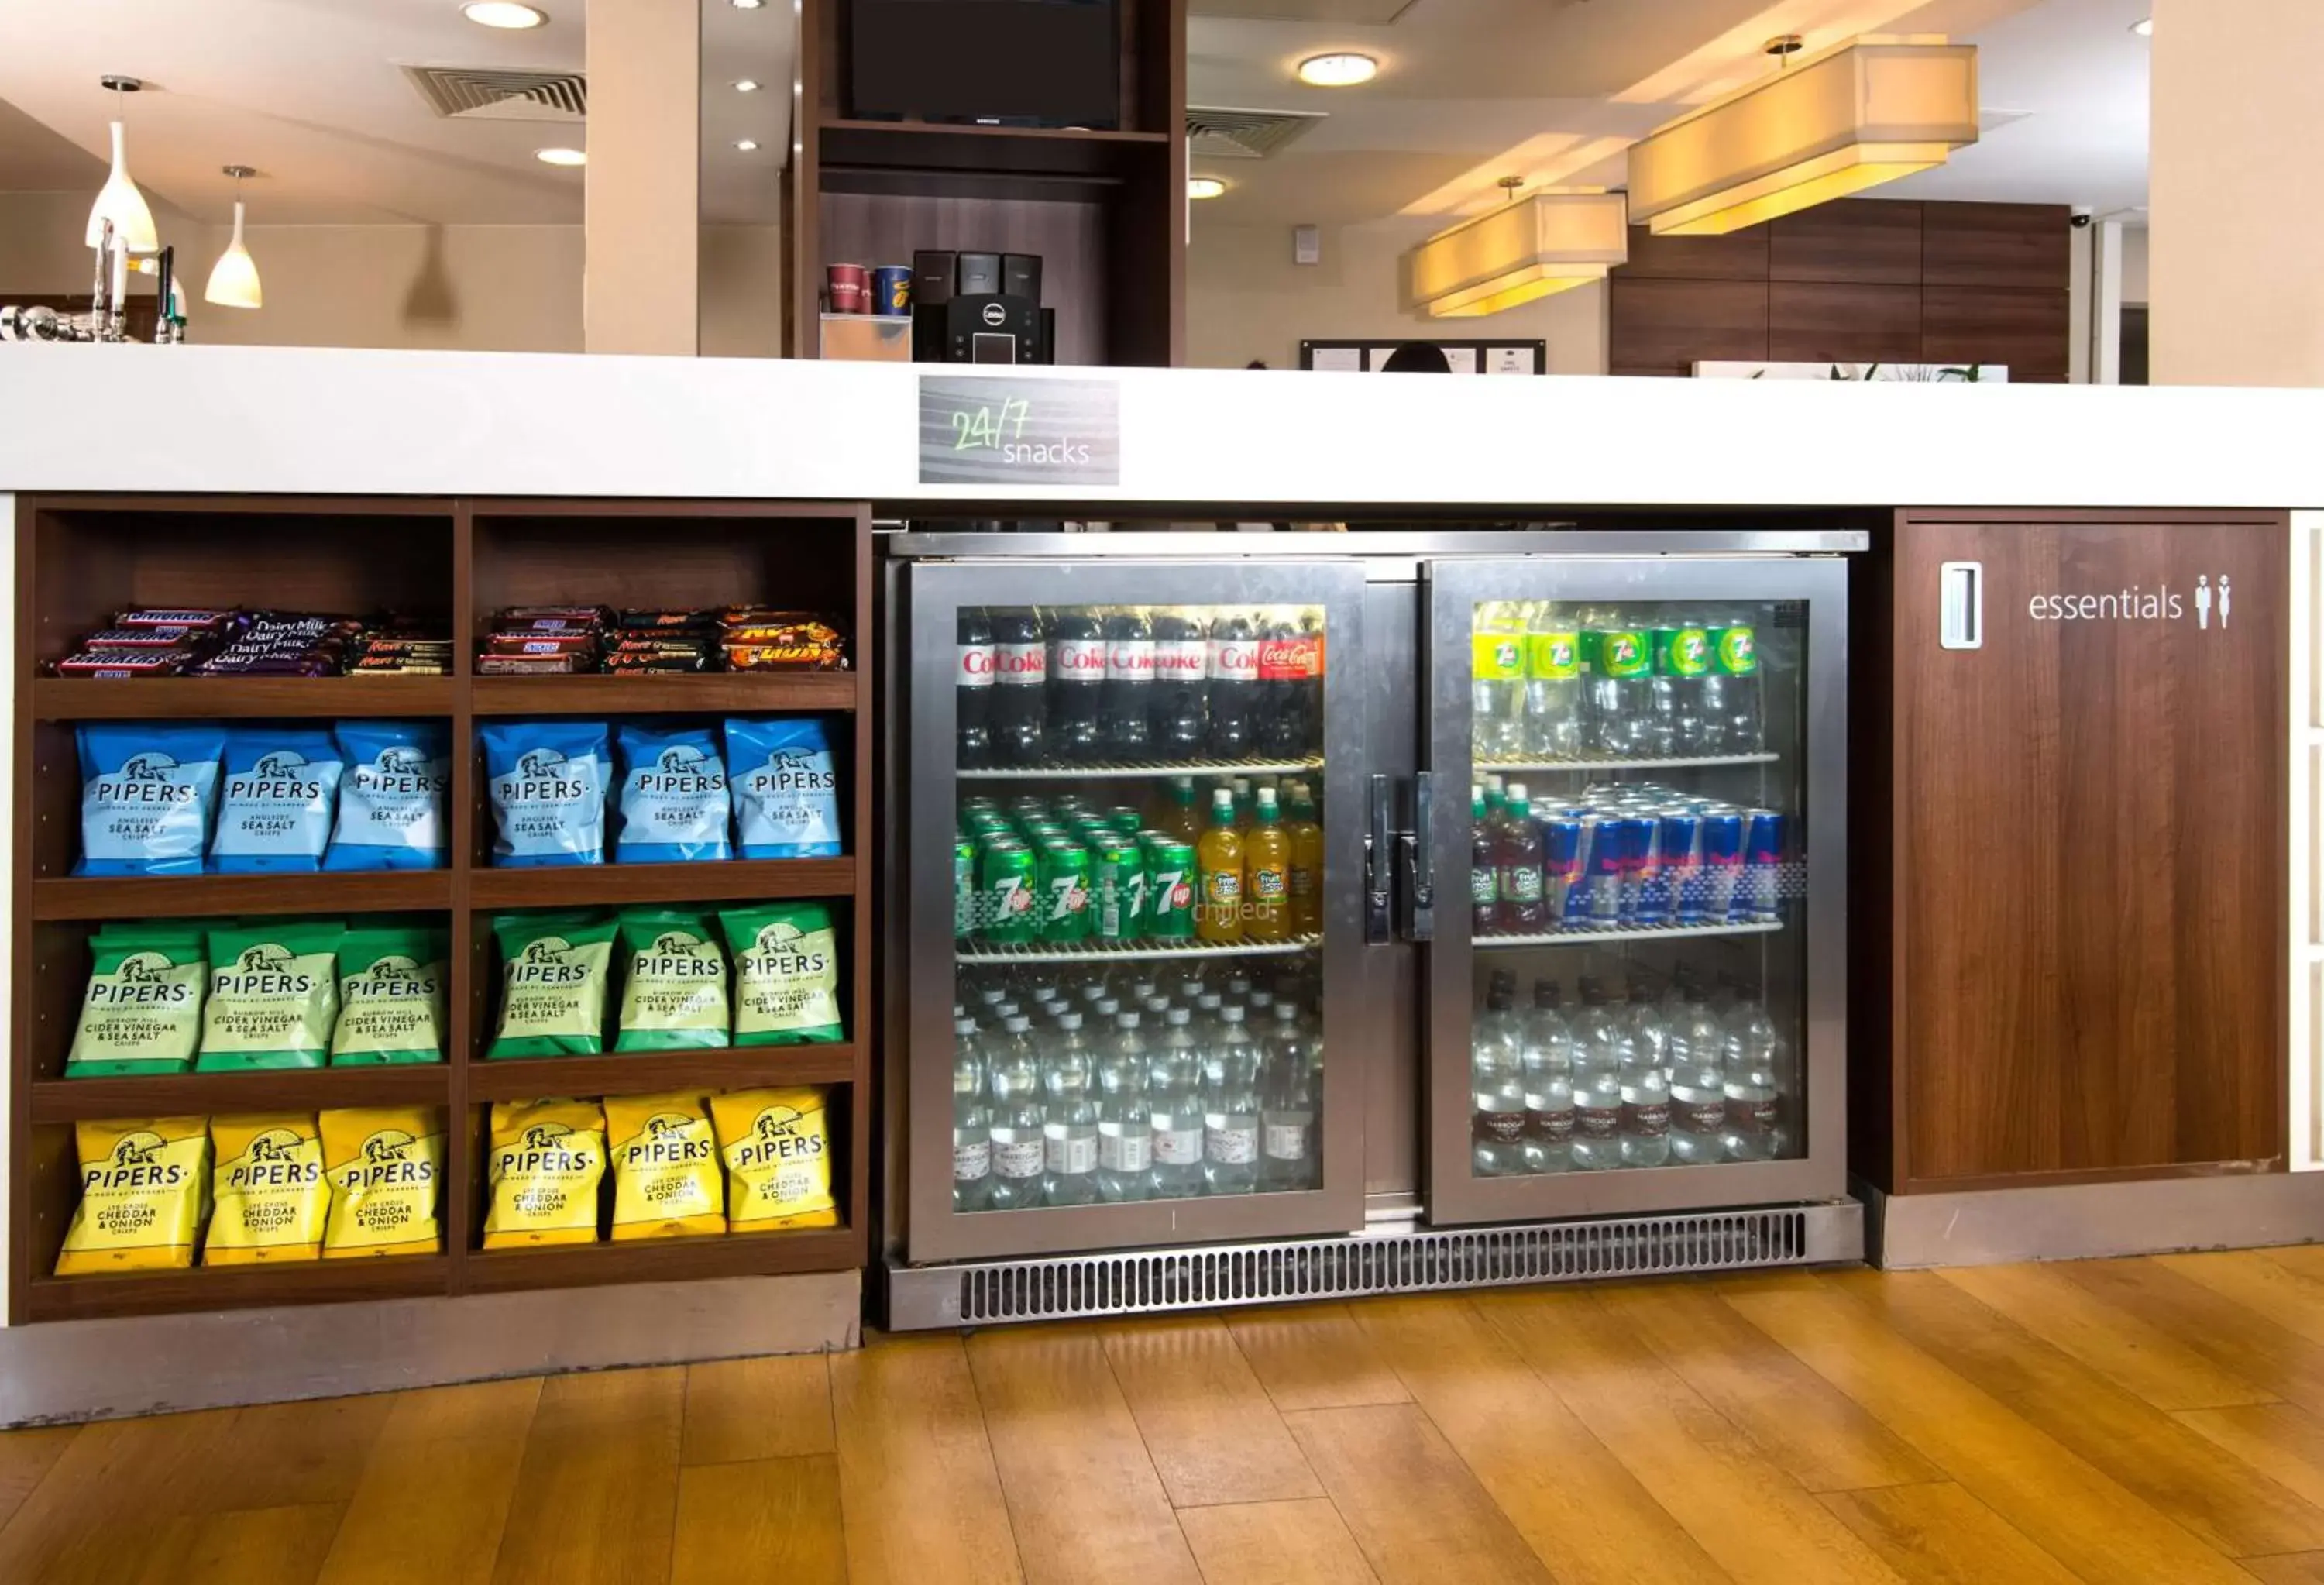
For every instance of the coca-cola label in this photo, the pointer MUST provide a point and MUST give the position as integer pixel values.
(1021, 664)
(1079, 659)
(978, 662)
(1130, 660)
(1181, 660)
(1555, 1125)
(1596, 1122)
(1234, 660)
(1295, 658)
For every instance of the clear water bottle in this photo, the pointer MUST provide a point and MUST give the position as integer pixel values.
(1497, 681)
(1553, 696)
(1288, 1104)
(1497, 1084)
(1069, 1117)
(1698, 1083)
(1601, 1047)
(1621, 689)
(1207, 1022)
(1125, 1136)
(1173, 1103)
(1546, 1056)
(1231, 1109)
(1756, 1070)
(1649, 1032)
(1017, 1152)
(971, 1120)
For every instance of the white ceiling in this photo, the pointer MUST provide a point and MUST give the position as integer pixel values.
(310, 92)
(1554, 91)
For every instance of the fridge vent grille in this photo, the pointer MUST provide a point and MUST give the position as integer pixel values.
(1081, 1285)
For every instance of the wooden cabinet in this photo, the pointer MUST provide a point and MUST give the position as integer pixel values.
(2084, 873)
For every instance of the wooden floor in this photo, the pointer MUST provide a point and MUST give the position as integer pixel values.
(2137, 1420)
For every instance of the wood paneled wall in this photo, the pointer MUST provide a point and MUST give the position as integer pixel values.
(1859, 280)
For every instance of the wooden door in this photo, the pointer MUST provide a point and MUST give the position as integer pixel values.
(2089, 872)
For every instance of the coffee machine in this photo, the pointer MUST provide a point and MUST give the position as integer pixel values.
(978, 307)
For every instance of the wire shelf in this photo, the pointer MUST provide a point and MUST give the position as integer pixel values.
(1124, 769)
(1090, 952)
(1601, 938)
(1616, 762)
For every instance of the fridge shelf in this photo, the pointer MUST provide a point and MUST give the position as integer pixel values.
(1054, 952)
(1601, 938)
(1127, 768)
(1616, 762)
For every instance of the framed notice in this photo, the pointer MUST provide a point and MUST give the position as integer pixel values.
(1461, 356)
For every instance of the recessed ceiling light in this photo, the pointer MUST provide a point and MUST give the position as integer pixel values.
(747, 145)
(2143, 27)
(560, 156)
(747, 86)
(502, 13)
(1338, 71)
(748, 4)
(1205, 187)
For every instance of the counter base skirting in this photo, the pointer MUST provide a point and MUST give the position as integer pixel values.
(2085, 1221)
(72, 1371)
(1385, 1259)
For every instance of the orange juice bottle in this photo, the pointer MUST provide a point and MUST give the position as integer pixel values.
(1306, 836)
(1267, 871)
(1179, 816)
(1218, 859)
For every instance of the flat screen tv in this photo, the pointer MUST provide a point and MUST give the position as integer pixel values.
(994, 62)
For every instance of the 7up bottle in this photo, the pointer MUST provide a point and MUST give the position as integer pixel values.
(1731, 694)
(1621, 685)
(1682, 663)
(1553, 690)
(1497, 681)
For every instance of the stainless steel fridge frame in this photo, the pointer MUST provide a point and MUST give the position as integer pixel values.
(934, 593)
(1451, 591)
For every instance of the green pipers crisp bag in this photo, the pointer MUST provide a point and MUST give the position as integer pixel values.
(554, 972)
(143, 1011)
(391, 996)
(675, 993)
(274, 995)
(786, 973)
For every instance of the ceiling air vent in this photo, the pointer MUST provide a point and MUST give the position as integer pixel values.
(1243, 134)
(479, 94)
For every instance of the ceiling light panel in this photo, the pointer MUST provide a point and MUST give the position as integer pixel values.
(502, 13)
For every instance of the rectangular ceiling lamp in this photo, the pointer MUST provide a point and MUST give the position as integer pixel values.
(1550, 242)
(1852, 116)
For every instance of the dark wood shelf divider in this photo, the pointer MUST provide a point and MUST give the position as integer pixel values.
(79, 557)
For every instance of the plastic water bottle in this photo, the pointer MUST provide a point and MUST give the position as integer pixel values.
(1546, 1056)
(1698, 1083)
(1231, 1109)
(1069, 1119)
(1645, 1083)
(1496, 1082)
(1017, 1152)
(1757, 1063)
(1601, 1047)
(1175, 1110)
(1497, 681)
(1125, 1138)
(1287, 1103)
(971, 1120)
(1553, 695)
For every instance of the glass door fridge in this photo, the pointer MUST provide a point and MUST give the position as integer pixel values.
(1638, 767)
(1130, 836)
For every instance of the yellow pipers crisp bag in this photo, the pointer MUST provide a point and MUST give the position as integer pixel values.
(778, 1155)
(547, 1160)
(144, 1181)
(386, 1165)
(268, 1189)
(666, 1182)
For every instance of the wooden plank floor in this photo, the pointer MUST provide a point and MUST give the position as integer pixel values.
(2110, 1421)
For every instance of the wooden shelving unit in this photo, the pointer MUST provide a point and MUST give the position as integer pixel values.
(1105, 208)
(79, 557)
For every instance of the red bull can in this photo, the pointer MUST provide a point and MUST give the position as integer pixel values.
(1636, 836)
(1682, 865)
(1722, 863)
(1563, 853)
(1604, 871)
(1758, 896)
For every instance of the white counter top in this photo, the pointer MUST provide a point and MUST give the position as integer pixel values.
(348, 421)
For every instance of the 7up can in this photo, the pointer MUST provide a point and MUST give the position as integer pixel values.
(1065, 884)
(963, 889)
(1005, 893)
(1120, 875)
(1169, 888)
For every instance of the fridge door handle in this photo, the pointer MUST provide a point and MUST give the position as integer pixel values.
(1419, 872)
(1376, 865)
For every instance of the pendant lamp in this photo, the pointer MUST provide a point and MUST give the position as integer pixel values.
(233, 278)
(1552, 241)
(119, 200)
(1861, 113)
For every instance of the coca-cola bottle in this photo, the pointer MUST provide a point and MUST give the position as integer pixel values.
(1290, 667)
(1076, 684)
(1128, 684)
(973, 689)
(1182, 670)
(1021, 694)
(1234, 684)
